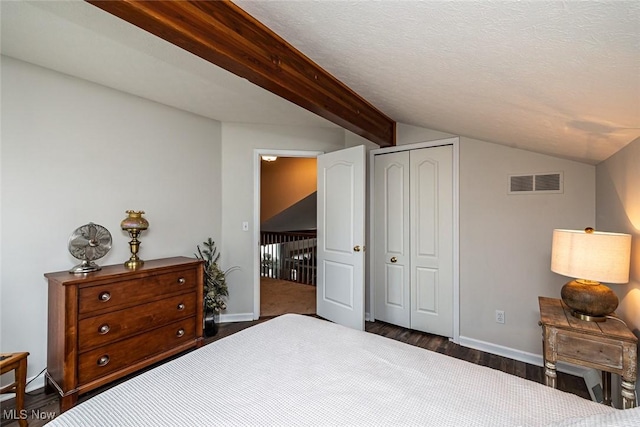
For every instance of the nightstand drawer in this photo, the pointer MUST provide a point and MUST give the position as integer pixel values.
(116, 295)
(105, 328)
(110, 358)
(581, 348)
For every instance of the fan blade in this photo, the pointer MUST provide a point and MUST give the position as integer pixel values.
(92, 232)
(89, 253)
(79, 242)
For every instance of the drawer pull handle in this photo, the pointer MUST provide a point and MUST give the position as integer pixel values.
(104, 296)
(180, 333)
(181, 281)
(181, 306)
(103, 360)
(104, 329)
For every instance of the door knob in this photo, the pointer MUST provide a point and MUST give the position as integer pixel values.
(356, 248)
(394, 259)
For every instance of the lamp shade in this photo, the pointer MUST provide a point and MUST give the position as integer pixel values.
(134, 221)
(595, 256)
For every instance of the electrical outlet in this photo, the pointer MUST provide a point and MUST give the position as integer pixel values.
(499, 316)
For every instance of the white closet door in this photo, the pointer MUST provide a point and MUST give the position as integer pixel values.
(391, 247)
(431, 219)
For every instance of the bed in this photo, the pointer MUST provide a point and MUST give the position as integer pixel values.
(300, 370)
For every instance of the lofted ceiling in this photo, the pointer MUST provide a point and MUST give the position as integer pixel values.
(555, 77)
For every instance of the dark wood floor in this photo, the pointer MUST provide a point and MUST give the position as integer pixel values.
(566, 382)
(44, 406)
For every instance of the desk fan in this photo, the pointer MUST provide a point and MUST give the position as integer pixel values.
(88, 243)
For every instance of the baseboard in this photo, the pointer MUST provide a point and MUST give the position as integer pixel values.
(522, 356)
(239, 317)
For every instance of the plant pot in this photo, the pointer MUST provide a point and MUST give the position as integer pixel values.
(210, 325)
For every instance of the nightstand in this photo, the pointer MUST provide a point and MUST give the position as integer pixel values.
(607, 346)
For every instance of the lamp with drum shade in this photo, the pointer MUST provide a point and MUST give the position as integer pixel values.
(591, 257)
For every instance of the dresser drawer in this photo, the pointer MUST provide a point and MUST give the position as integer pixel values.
(101, 361)
(116, 295)
(105, 328)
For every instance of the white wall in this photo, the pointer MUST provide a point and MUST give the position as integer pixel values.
(239, 143)
(353, 140)
(408, 134)
(618, 210)
(505, 242)
(74, 152)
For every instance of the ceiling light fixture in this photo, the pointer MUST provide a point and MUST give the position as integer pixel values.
(269, 158)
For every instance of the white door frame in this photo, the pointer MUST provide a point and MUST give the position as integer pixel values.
(257, 154)
(455, 142)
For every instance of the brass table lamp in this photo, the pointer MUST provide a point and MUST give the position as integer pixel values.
(134, 224)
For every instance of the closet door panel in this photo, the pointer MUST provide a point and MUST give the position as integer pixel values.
(395, 293)
(427, 290)
(395, 205)
(425, 174)
(391, 231)
(431, 212)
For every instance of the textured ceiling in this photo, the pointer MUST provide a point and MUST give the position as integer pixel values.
(559, 77)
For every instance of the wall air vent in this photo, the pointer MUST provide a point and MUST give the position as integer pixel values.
(538, 183)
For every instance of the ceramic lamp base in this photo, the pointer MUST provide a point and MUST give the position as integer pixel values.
(591, 301)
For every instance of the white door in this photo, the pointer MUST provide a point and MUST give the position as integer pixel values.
(391, 233)
(341, 201)
(431, 223)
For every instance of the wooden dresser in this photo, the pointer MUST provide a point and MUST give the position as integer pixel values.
(113, 322)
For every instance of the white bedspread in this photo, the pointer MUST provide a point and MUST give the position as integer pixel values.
(297, 370)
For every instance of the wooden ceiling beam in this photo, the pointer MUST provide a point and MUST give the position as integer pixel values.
(225, 35)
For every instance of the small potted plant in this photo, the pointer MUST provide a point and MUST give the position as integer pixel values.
(215, 285)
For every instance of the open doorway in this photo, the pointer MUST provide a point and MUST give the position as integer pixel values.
(286, 205)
